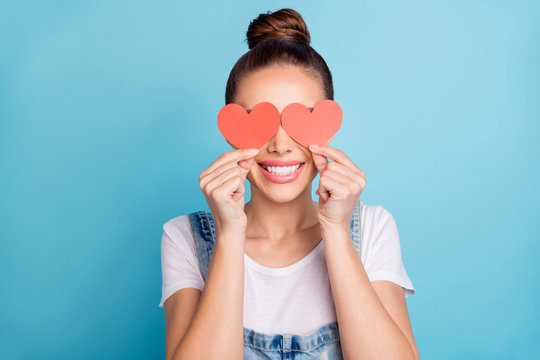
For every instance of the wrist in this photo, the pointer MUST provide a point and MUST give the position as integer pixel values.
(231, 232)
(334, 230)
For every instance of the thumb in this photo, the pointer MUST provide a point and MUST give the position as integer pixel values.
(320, 162)
(245, 166)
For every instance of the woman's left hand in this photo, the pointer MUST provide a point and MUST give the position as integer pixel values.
(340, 185)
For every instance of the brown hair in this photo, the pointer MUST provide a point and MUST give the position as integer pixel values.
(279, 38)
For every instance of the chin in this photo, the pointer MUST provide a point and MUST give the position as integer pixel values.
(283, 196)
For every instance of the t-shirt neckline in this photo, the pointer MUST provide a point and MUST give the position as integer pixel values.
(286, 269)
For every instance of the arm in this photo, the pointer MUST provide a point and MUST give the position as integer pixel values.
(216, 331)
(367, 329)
(179, 310)
(393, 299)
(372, 323)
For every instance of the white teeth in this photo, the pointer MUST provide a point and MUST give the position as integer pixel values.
(281, 170)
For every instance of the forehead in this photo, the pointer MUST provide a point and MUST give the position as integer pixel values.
(280, 85)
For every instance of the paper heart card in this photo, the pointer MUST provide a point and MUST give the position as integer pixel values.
(260, 125)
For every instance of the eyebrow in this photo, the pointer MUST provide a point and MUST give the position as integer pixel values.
(249, 110)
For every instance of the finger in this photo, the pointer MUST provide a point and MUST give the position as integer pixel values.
(237, 196)
(337, 180)
(217, 172)
(334, 154)
(322, 194)
(231, 188)
(349, 183)
(243, 165)
(222, 178)
(230, 156)
(246, 164)
(323, 191)
(334, 187)
(320, 162)
(341, 170)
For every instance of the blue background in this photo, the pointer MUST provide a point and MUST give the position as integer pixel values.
(108, 115)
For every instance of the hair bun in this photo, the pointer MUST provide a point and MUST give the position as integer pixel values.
(286, 24)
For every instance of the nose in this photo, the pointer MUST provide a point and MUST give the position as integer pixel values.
(281, 143)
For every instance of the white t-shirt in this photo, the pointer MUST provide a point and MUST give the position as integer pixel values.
(295, 299)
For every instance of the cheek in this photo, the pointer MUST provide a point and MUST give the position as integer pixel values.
(314, 171)
(249, 175)
(310, 169)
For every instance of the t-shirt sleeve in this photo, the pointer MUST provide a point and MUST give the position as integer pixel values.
(179, 264)
(383, 260)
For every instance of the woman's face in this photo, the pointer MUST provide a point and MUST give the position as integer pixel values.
(281, 85)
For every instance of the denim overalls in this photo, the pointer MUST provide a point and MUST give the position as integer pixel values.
(322, 343)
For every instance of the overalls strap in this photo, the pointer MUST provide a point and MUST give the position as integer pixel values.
(204, 234)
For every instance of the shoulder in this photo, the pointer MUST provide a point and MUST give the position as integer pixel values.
(177, 225)
(381, 248)
(178, 239)
(379, 229)
(179, 228)
(177, 233)
(375, 217)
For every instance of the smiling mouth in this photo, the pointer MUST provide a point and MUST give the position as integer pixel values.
(281, 170)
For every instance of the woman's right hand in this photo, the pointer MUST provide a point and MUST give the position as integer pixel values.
(222, 184)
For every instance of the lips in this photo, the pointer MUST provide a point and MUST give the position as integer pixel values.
(281, 171)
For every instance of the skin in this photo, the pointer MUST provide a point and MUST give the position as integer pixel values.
(284, 223)
(282, 219)
(277, 227)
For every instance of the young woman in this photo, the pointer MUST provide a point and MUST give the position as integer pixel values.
(283, 276)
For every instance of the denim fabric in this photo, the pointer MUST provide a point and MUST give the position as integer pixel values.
(323, 343)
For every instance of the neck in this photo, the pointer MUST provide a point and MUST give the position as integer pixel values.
(275, 221)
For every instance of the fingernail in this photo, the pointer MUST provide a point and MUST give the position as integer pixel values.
(313, 147)
(253, 151)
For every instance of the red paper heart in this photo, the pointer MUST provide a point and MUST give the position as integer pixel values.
(312, 127)
(251, 130)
